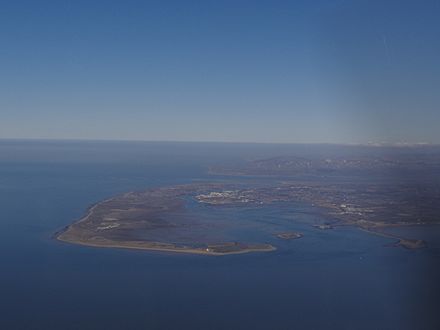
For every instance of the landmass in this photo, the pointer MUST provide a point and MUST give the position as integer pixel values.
(370, 192)
(126, 221)
(339, 158)
(412, 243)
(371, 188)
(289, 235)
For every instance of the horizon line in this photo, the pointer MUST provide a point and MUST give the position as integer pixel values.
(366, 144)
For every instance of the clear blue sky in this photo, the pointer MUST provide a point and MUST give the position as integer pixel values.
(261, 71)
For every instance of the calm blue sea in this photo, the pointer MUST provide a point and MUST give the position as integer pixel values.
(335, 279)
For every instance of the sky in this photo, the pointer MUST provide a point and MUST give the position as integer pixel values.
(236, 71)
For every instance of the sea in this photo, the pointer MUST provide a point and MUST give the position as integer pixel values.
(330, 279)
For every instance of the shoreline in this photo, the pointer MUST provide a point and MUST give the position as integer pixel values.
(142, 245)
(84, 232)
(102, 242)
(410, 244)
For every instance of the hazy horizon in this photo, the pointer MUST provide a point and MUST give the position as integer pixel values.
(366, 144)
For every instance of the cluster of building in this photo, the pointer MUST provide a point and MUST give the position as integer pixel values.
(224, 197)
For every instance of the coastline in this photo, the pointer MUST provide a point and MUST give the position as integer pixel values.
(410, 244)
(150, 246)
(65, 235)
(91, 229)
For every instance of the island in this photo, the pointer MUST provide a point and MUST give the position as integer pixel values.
(289, 235)
(132, 220)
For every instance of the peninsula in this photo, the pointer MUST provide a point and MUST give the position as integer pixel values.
(131, 220)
